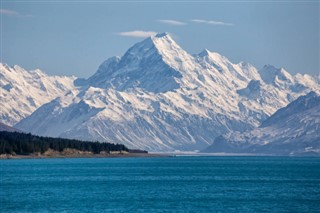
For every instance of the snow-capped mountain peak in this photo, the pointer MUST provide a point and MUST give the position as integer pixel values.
(213, 57)
(204, 53)
(161, 35)
(22, 91)
(151, 64)
(273, 75)
(161, 44)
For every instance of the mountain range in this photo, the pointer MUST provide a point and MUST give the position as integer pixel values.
(22, 92)
(292, 130)
(156, 97)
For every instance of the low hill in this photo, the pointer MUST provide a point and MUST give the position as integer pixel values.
(25, 144)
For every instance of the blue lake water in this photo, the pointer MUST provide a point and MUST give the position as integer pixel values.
(168, 184)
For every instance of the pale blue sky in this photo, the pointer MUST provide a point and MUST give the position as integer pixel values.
(74, 37)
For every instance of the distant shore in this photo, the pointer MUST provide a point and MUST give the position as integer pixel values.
(129, 155)
(71, 153)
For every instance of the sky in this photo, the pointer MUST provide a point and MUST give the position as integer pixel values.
(75, 37)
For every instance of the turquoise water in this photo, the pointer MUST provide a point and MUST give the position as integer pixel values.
(170, 184)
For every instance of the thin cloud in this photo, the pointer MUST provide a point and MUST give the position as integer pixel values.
(12, 13)
(172, 22)
(212, 22)
(9, 12)
(137, 33)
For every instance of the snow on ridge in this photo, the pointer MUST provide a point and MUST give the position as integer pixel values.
(22, 91)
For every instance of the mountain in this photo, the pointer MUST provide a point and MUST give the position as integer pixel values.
(4, 127)
(22, 92)
(292, 130)
(158, 97)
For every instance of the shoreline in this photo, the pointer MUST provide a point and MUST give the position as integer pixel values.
(137, 155)
(121, 155)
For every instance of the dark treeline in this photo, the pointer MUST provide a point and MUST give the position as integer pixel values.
(22, 144)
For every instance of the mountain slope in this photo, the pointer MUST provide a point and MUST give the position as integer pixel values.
(294, 129)
(141, 66)
(7, 128)
(22, 92)
(159, 97)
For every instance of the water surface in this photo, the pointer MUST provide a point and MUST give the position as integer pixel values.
(171, 184)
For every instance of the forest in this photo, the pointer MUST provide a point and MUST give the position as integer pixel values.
(24, 144)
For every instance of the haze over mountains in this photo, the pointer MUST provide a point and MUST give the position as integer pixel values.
(156, 97)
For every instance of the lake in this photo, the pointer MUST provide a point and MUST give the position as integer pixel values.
(164, 184)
